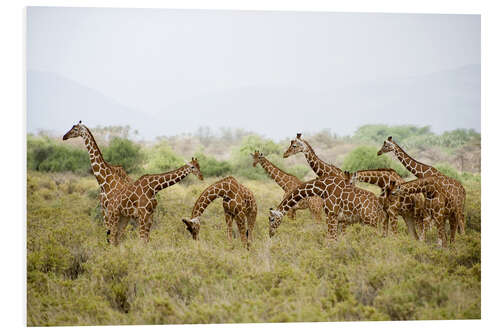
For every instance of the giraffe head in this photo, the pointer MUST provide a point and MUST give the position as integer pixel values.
(297, 145)
(193, 226)
(256, 157)
(387, 146)
(195, 167)
(275, 217)
(75, 131)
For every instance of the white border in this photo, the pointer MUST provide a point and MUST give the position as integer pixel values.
(13, 132)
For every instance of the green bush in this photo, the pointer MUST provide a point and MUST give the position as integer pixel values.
(411, 136)
(210, 167)
(125, 153)
(365, 157)
(378, 133)
(448, 170)
(161, 158)
(44, 154)
(241, 160)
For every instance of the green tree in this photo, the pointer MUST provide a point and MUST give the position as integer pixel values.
(365, 157)
(211, 167)
(241, 160)
(125, 153)
(162, 158)
(44, 154)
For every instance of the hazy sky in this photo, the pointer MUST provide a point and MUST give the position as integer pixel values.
(155, 61)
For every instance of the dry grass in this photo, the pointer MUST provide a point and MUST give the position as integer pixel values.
(75, 278)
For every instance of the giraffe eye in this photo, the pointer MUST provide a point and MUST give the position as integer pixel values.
(294, 146)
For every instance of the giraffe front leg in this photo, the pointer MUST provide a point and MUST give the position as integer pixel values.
(251, 224)
(143, 228)
(332, 223)
(394, 224)
(149, 224)
(442, 241)
(453, 227)
(243, 233)
(122, 224)
(385, 225)
(113, 228)
(229, 225)
(291, 213)
(425, 226)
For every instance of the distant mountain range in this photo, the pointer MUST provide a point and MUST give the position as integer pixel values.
(445, 100)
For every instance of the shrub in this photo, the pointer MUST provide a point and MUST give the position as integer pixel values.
(162, 158)
(211, 167)
(242, 161)
(125, 153)
(365, 157)
(378, 133)
(448, 170)
(44, 154)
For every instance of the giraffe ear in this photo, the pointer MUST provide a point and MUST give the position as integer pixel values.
(79, 122)
(299, 135)
(389, 138)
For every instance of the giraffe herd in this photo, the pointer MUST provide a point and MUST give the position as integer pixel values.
(432, 197)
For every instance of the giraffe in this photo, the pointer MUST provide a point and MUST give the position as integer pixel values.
(453, 188)
(340, 198)
(410, 207)
(111, 178)
(137, 200)
(238, 203)
(289, 182)
(438, 206)
(319, 167)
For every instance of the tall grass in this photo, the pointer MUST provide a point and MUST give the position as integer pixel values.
(76, 278)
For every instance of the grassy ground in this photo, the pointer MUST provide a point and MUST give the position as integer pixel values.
(75, 278)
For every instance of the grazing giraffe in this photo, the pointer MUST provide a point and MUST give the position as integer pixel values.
(319, 167)
(438, 206)
(111, 178)
(452, 187)
(289, 182)
(137, 200)
(410, 207)
(340, 198)
(238, 203)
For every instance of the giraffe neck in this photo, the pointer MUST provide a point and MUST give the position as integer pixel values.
(210, 194)
(311, 188)
(379, 178)
(279, 176)
(421, 185)
(161, 181)
(100, 168)
(319, 167)
(420, 170)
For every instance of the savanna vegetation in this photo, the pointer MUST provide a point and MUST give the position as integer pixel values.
(75, 278)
